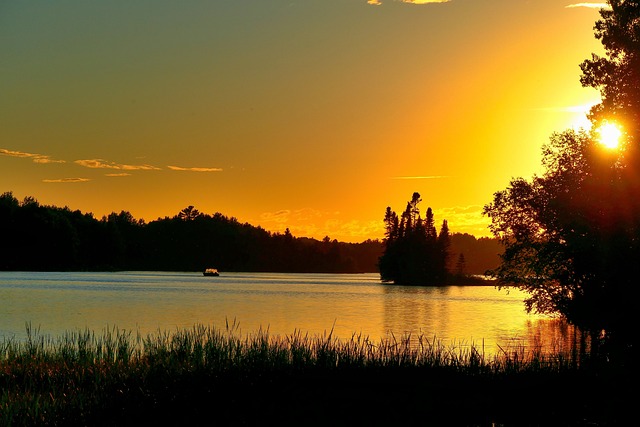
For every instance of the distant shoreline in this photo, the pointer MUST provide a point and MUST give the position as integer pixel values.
(469, 280)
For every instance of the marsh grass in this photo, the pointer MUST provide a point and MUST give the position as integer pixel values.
(118, 377)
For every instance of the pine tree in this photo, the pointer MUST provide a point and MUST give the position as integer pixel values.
(414, 253)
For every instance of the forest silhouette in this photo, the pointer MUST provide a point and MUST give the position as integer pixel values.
(49, 238)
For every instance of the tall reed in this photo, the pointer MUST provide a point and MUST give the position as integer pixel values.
(81, 374)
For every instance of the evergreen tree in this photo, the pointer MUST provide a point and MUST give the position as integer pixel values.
(36, 237)
(414, 254)
(444, 243)
(189, 213)
(391, 224)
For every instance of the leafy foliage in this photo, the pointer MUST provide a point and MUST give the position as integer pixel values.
(572, 235)
(569, 240)
(617, 76)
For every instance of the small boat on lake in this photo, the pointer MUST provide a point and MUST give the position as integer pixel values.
(211, 272)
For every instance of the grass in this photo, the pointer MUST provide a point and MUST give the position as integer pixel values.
(206, 376)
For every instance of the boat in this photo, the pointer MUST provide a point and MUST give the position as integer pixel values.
(211, 272)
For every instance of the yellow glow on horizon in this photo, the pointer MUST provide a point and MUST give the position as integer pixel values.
(610, 134)
(301, 133)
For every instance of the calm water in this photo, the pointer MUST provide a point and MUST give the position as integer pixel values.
(151, 301)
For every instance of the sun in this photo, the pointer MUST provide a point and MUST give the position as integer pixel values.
(610, 135)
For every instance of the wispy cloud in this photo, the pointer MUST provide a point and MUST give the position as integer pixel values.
(464, 219)
(103, 164)
(309, 222)
(47, 160)
(425, 1)
(279, 217)
(66, 180)
(179, 168)
(36, 158)
(589, 5)
(286, 215)
(379, 2)
(579, 113)
(353, 230)
(584, 108)
(11, 153)
(421, 177)
(117, 174)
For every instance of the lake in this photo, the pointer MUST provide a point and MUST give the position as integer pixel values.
(149, 302)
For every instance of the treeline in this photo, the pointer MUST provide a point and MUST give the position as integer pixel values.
(49, 238)
(469, 254)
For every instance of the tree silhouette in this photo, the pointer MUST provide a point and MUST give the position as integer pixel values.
(444, 243)
(36, 237)
(617, 75)
(572, 235)
(414, 254)
(189, 213)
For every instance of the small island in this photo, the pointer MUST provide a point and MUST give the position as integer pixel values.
(415, 254)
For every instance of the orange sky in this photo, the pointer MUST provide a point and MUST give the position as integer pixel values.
(314, 115)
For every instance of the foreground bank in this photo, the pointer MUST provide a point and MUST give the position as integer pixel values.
(205, 376)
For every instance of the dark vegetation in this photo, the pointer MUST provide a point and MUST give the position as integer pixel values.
(206, 376)
(470, 255)
(572, 235)
(37, 237)
(49, 238)
(571, 239)
(414, 252)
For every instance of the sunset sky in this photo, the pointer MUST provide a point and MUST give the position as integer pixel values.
(312, 114)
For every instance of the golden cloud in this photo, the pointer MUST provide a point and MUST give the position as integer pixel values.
(178, 168)
(589, 5)
(11, 153)
(277, 217)
(425, 1)
(308, 222)
(37, 158)
(66, 180)
(379, 2)
(103, 164)
(46, 160)
(464, 219)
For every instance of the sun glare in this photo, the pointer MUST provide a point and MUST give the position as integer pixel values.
(610, 135)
